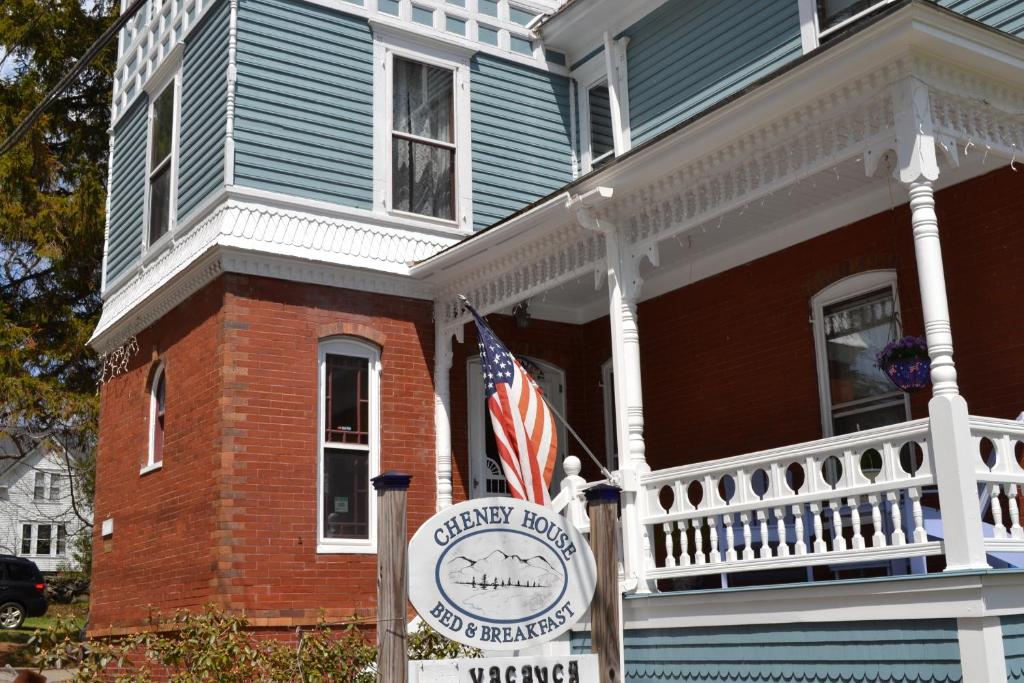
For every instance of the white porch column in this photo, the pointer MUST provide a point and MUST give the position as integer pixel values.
(982, 658)
(952, 450)
(442, 411)
(623, 291)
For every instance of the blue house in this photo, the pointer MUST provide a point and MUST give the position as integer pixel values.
(300, 190)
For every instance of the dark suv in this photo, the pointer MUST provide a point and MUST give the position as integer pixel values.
(21, 591)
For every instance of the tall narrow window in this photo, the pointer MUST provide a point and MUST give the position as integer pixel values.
(161, 148)
(157, 410)
(26, 539)
(423, 140)
(854, 320)
(348, 380)
(602, 141)
(39, 488)
(43, 545)
(55, 486)
(62, 539)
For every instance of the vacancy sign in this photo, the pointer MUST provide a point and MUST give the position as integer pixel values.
(568, 669)
(500, 574)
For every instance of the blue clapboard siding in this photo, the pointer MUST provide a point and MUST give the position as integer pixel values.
(127, 190)
(521, 136)
(304, 104)
(1013, 647)
(854, 652)
(1005, 15)
(204, 91)
(689, 54)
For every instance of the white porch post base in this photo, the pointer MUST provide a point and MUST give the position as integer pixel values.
(981, 650)
(951, 448)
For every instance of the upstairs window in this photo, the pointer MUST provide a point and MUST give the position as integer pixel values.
(349, 395)
(602, 141)
(854, 320)
(55, 486)
(161, 162)
(157, 420)
(39, 489)
(423, 140)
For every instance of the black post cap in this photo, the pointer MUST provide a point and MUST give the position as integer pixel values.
(392, 481)
(603, 493)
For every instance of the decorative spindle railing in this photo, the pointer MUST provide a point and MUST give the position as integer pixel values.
(1000, 447)
(852, 498)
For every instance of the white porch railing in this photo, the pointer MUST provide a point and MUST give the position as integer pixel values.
(1000, 445)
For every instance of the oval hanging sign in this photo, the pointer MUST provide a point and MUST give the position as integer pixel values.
(500, 573)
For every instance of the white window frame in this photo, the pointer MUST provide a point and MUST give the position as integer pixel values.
(169, 73)
(607, 67)
(389, 42)
(611, 446)
(39, 484)
(849, 287)
(354, 348)
(151, 465)
(810, 28)
(34, 540)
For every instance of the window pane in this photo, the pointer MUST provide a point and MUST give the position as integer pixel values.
(26, 539)
(163, 126)
(62, 539)
(422, 178)
(832, 12)
(423, 100)
(346, 494)
(347, 401)
(55, 485)
(160, 398)
(601, 140)
(159, 203)
(39, 491)
(870, 418)
(43, 539)
(855, 331)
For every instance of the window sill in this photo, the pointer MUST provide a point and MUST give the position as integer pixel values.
(153, 467)
(323, 548)
(410, 217)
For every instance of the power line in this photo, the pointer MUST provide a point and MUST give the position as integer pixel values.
(23, 128)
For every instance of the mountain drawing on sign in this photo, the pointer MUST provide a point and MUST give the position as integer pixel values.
(503, 582)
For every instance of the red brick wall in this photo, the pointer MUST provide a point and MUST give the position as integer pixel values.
(161, 555)
(231, 517)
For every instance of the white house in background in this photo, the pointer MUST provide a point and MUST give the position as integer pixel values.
(37, 519)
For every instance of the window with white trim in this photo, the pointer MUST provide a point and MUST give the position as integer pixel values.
(422, 169)
(599, 135)
(853, 321)
(44, 539)
(157, 420)
(39, 487)
(602, 139)
(349, 437)
(161, 185)
(820, 19)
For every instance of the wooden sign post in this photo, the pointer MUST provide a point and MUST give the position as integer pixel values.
(603, 505)
(392, 586)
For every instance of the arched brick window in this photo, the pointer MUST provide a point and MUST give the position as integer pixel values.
(157, 409)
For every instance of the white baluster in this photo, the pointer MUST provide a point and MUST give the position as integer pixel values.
(782, 549)
(748, 540)
(858, 535)
(799, 546)
(920, 535)
(762, 519)
(684, 543)
(878, 539)
(670, 558)
(713, 555)
(898, 537)
(1011, 499)
(838, 540)
(997, 510)
(730, 539)
(699, 556)
(819, 536)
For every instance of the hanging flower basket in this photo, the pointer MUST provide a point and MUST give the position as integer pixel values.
(906, 362)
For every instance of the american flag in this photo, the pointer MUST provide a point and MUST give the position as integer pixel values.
(524, 426)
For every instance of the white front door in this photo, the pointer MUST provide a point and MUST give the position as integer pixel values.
(486, 477)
